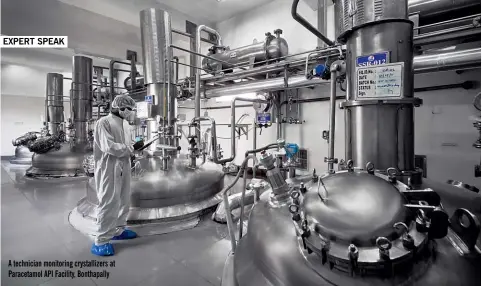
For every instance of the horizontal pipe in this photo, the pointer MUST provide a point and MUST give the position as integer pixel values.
(276, 67)
(464, 85)
(191, 36)
(431, 8)
(446, 61)
(422, 64)
(460, 32)
(216, 107)
(470, 17)
(263, 85)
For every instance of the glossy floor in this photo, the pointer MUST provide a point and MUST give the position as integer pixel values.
(34, 226)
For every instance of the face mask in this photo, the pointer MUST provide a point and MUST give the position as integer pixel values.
(125, 113)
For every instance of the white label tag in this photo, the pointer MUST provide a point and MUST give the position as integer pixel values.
(380, 81)
(34, 42)
(142, 109)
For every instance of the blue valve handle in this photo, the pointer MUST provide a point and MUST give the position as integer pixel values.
(291, 149)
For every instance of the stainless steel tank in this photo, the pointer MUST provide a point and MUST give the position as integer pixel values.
(57, 164)
(334, 242)
(157, 55)
(23, 156)
(81, 97)
(362, 225)
(273, 47)
(55, 103)
(161, 201)
(166, 194)
(65, 160)
(378, 118)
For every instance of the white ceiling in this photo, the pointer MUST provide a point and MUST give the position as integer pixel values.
(199, 11)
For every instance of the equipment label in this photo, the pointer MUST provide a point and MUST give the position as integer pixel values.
(33, 42)
(264, 118)
(379, 81)
(148, 99)
(373, 59)
(142, 109)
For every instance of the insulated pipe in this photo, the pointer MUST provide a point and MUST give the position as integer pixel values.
(307, 25)
(446, 61)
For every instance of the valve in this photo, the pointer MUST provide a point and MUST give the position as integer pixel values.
(278, 32)
(291, 150)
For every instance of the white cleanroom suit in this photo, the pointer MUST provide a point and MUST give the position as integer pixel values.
(112, 151)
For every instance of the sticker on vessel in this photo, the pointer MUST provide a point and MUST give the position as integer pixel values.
(379, 81)
(373, 59)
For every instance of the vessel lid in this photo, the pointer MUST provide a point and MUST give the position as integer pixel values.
(359, 207)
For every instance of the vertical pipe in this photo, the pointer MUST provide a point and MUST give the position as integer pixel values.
(133, 74)
(322, 20)
(278, 116)
(197, 98)
(254, 135)
(331, 133)
(81, 97)
(169, 97)
(46, 120)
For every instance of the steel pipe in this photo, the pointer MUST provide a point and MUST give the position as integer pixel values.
(446, 61)
(430, 8)
(307, 25)
(197, 96)
(272, 84)
(422, 64)
(229, 219)
(455, 33)
(111, 79)
(331, 132)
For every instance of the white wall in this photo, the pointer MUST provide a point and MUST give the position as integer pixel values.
(444, 130)
(443, 119)
(244, 28)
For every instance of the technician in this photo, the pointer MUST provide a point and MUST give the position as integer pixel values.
(112, 162)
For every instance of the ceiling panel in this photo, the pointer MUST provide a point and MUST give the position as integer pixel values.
(198, 11)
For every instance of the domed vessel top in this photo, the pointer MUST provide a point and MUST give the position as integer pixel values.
(358, 208)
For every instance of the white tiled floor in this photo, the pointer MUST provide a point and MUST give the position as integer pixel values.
(35, 227)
